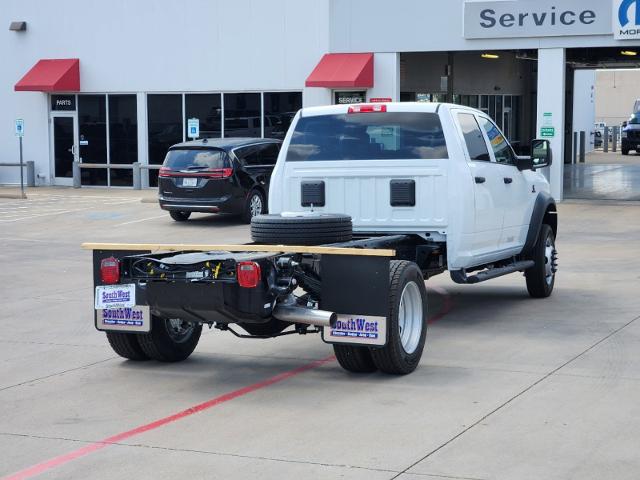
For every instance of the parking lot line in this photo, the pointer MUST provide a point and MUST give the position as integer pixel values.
(214, 402)
(139, 221)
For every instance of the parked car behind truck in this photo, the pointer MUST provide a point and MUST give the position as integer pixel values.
(366, 203)
(228, 175)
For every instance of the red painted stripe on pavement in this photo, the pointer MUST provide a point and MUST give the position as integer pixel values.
(81, 452)
(446, 307)
(93, 447)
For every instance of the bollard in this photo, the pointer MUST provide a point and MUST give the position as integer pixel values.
(31, 173)
(606, 139)
(615, 140)
(77, 175)
(137, 179)
(583, 145)
(574, 160)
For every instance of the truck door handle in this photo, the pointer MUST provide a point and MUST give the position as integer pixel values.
(480, 179)
(508, 180)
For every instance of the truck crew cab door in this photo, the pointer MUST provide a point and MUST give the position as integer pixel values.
(489, 193)
(516, 190)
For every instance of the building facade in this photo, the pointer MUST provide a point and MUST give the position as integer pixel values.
(119, 80)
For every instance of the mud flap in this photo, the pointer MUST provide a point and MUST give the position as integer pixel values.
(357, 289)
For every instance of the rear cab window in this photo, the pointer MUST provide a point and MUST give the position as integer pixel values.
(196, 159)
(368, 136)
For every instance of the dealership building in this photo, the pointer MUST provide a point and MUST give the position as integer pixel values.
(115, 83)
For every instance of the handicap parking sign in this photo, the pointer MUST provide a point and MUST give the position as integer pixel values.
(193, 128)
(19, 128)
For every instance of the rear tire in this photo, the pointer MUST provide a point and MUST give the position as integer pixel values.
(355, 359)
(541, 277)
(170, 340)
(625, 151)
(180, 216)
(254, 206)
(406, 322)
(301, 229)
(126, 345)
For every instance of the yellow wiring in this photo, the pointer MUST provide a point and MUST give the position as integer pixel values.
(217, 271)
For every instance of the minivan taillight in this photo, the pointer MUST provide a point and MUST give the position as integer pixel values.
(367, 108)
(219, 173)
(164, 172)
(110, 271)
(249, 274)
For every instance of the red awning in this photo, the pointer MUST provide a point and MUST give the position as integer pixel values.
(61, 75)
(340, 70)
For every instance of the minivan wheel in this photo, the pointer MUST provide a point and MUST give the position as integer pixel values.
(180, 216)
(254, 206)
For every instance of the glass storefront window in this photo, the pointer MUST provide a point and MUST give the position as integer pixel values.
(165, 126)
(279, 110)
(123, 137)
(92, 129)
(208, 109)
(242, 115)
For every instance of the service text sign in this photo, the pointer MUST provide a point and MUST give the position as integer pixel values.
(540, 18)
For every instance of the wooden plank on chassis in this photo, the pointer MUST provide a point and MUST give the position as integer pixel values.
(179, 247)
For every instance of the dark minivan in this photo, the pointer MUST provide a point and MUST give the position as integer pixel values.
(229, 175)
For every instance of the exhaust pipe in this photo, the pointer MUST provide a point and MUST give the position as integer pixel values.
(307, 316)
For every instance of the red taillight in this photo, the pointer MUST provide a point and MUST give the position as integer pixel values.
(367, 108)
(219, 173)
(110, 271)
(249, 274)
(164, 172)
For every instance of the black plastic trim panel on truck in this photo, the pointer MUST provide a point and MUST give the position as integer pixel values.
(543, 202)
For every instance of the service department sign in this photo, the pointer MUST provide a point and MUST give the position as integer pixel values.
(539, 18)
(626, 19)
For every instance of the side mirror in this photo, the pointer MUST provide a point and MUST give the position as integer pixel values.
(541, 154)
(524, 163)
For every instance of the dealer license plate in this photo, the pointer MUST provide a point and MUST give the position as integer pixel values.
(115, 296)
(189, 182)
(358, 330)
(130, 319)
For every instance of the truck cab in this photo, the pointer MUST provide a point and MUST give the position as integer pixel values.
(444, 172)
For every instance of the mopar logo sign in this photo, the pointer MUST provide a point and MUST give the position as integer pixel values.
(626, 19)
(540, 18)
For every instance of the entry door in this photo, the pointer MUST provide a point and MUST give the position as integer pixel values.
(64, 147)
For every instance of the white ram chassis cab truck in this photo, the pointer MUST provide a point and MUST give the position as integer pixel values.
(366, 203)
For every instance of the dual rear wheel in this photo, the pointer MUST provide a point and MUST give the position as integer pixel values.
(406, 329)
(170, 340)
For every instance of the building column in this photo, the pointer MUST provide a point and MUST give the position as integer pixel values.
(551, 100)
(143, 137)
(386, 77)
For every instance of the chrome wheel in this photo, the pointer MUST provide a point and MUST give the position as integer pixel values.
(410, 317)
(550, 260)
(179, 330)
(255, 205)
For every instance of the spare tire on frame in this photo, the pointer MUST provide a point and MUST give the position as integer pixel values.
(301, 229)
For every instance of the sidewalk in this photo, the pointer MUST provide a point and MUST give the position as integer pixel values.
(147, 195)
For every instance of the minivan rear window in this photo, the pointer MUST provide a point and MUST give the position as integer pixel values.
(368, 136)
(196, 159)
